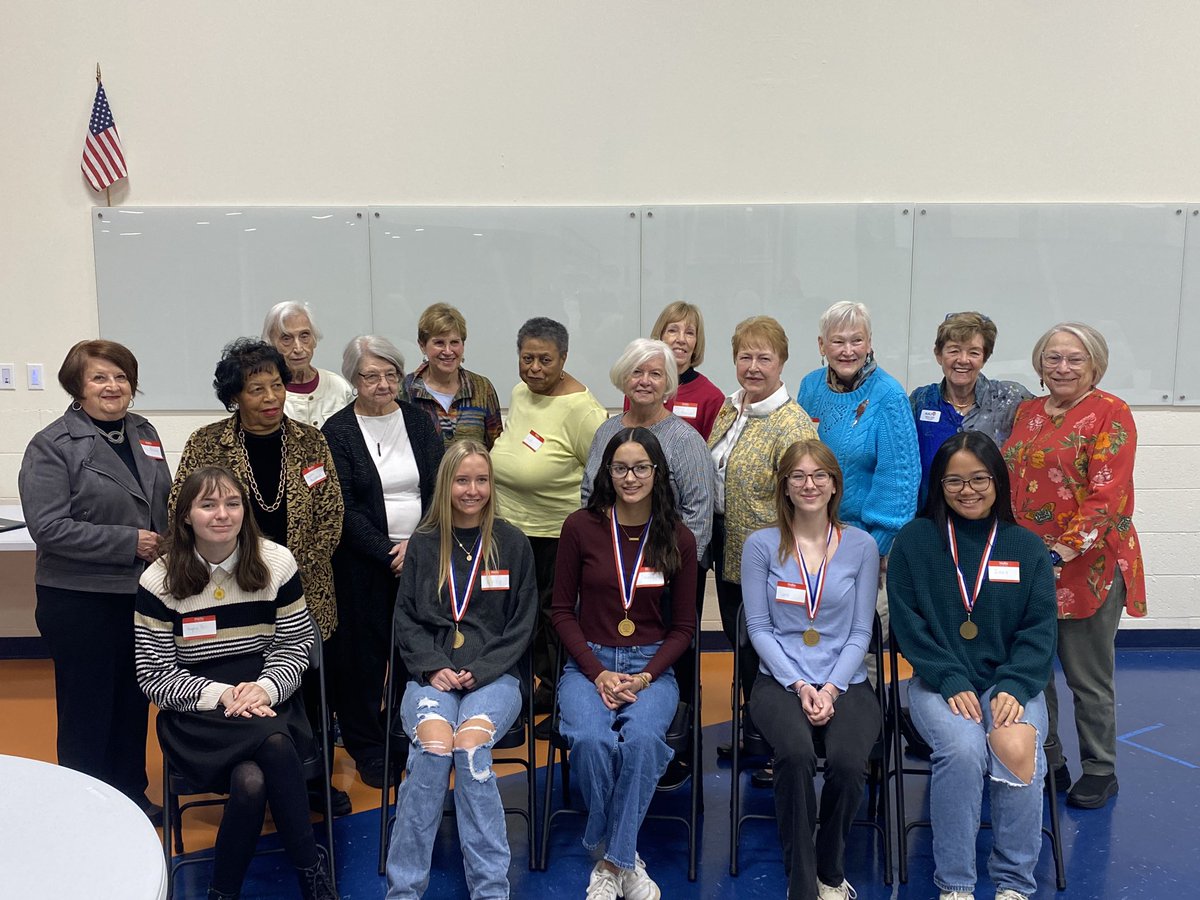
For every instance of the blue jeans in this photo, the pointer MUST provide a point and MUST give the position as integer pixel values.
(481, 827)
(961, 759)
(619, 755)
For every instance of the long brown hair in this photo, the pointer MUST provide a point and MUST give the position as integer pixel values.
(187, 574)
(785, 509)
(440, 518)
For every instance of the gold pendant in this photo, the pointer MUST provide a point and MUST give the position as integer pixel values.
(625, 627)
(812, 637)
(969, 630)
(459, 640)
(219, 593)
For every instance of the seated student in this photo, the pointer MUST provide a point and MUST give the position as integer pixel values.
(617, 694)
(810, 585)
(222, 636)
(974, 611)
(465, 614)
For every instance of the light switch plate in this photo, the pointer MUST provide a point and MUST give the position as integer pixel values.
(8, 377)
(33, 379)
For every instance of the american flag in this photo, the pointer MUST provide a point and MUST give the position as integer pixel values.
(103, 161)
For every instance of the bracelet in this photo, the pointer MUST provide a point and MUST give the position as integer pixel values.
(645, 679)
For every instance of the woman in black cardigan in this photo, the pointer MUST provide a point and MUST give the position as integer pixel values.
(386, 453)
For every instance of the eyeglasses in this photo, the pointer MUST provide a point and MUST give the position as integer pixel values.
(1054, 360)
(641, 471)
(370, 379)
(819, 478)
(952, 484)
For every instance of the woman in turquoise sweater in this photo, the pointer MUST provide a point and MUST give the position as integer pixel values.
(974, 612)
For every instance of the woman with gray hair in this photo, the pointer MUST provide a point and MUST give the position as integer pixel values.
(386, 453)
(1071, 458)
(313, 394)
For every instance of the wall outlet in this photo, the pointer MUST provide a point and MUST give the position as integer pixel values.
(8, 377)
(34, 377)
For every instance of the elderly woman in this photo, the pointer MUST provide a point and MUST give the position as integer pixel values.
(461, 404)
(94, 486)
(313, 394)
(386, 453)
(755, 426)
(965, 399)
(1071, 456)
(538, 462)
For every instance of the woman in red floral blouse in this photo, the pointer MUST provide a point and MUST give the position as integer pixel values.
(1071, 459)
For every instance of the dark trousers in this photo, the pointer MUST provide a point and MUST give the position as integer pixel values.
(545, 640)
(848, 738)
(102, 712)
(729, 599)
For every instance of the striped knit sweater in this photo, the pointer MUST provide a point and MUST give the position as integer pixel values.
(273, 622)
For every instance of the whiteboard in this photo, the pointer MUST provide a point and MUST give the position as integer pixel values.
(175, 284)
(1187, 372)
(1117, 267)
(787, 261)
(503, 265)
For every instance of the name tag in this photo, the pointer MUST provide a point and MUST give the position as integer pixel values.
(650, 578)
(1009, 572)
(931, 415)
(790, 592)
(199, 627)
(152, 449)
(494, 580)
(314, 475)
(533, 440)
(686, 410)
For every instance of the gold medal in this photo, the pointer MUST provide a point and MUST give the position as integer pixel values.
(219, 593)
(459, 640)
(812, 637)
(969, 630)
(626, 627)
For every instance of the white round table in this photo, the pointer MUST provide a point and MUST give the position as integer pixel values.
(66, 835)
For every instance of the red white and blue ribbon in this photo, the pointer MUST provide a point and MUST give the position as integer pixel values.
(815, 584)
(458, 606)
(969, 602)
(627, 586)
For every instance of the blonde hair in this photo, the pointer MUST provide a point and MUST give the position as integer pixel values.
(784, 508)
(761, 330)
(844, 314)
(1093, 342)
(441, 318)
(681, 311)
(440, 518)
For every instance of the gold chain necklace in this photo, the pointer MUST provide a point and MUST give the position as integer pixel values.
(460, 545)
(262, 504)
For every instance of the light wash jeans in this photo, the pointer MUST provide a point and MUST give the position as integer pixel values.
(961, 759)
(617, 756)
(482, 830)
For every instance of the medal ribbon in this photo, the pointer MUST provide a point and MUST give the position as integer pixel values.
(458, 608)
(969, 603)
(627, 586)
(816, 588)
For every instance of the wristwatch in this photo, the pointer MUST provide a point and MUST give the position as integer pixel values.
(1056, 559)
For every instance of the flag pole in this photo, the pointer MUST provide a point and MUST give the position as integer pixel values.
(107, 195)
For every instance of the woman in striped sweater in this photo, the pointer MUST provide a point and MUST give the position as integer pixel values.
(222, 636)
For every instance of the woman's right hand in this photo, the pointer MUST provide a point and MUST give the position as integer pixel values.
(397, 553)
(246, 699)
(147, 545)
(614, 689)
(447, 680)
(966, 704)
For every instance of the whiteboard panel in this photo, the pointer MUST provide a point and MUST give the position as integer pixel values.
(1187, 372)
(787, 261)
(503, 265)
(1116, 267)
(175, 284)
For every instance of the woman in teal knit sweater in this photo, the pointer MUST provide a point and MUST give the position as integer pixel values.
(974, 612)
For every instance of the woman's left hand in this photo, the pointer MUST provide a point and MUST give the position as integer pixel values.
(1005, 709)
(249, 699)
(397, 553)
(614, 688)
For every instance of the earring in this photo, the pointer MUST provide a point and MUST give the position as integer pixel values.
(132, 404)
(1042, 383)
(233, 407)
(76, 406)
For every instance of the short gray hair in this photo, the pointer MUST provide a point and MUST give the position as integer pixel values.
(637, 353)
(845, 314)
(273, 323)
(539, 328)
(1093, 342)
(369, 345)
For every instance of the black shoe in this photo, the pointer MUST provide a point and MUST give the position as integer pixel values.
(677, 773)
(315, 883)
(1092, 791)
(153, 811)
(1062, 779)
(763, 778)
(541, 731)
(725, 751)
(214, 894)
(341, 801)
(370, 770)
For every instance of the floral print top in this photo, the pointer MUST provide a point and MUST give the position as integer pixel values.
(1072, 484)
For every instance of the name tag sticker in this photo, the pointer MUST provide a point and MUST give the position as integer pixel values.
(790, 592)
(533, 440)
(931, 415)
(686, 410)
(199, 627)
(152, 449)
(494, 580)
(314, 475)
(650, 578)
(1008, 572)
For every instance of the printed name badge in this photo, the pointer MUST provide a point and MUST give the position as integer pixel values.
(199, 627)
(152, 449)
(791, 592)
(533, 440)
(650, 578)
(686, 410)
(314, 475)
(1008, 572)
(931, 415)
(494, 580)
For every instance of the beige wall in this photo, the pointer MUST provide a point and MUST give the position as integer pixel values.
(573, 102)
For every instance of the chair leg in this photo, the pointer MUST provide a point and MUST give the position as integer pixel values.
(549, 796)
(168, 822)
(1060, 875)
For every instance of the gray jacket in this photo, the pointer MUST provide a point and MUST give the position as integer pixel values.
(84, 508)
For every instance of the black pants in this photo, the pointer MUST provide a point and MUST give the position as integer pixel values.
(545, 640)
(729, 599)
(848, 737)
(102, 712)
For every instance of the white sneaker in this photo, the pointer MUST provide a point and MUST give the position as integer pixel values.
(955, 895)
(636, 883)
(842, 892)
(1010, 894)
(603, 884)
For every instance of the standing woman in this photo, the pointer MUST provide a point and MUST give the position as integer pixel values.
(313, 394)
(464, 618)
(1071, 456)
(617, 694)
(386, 453)
(462, 405)
(223, 636)
(94, 486)
(810, 585)
(538, 462)
(972, 599)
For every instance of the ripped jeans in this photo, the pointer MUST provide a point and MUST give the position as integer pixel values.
(962, 760)
(482, 831)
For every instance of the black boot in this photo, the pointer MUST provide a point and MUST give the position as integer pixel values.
(214, 894)
(315, 883)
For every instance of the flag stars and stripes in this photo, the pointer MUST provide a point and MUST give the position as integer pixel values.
(103, 159)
